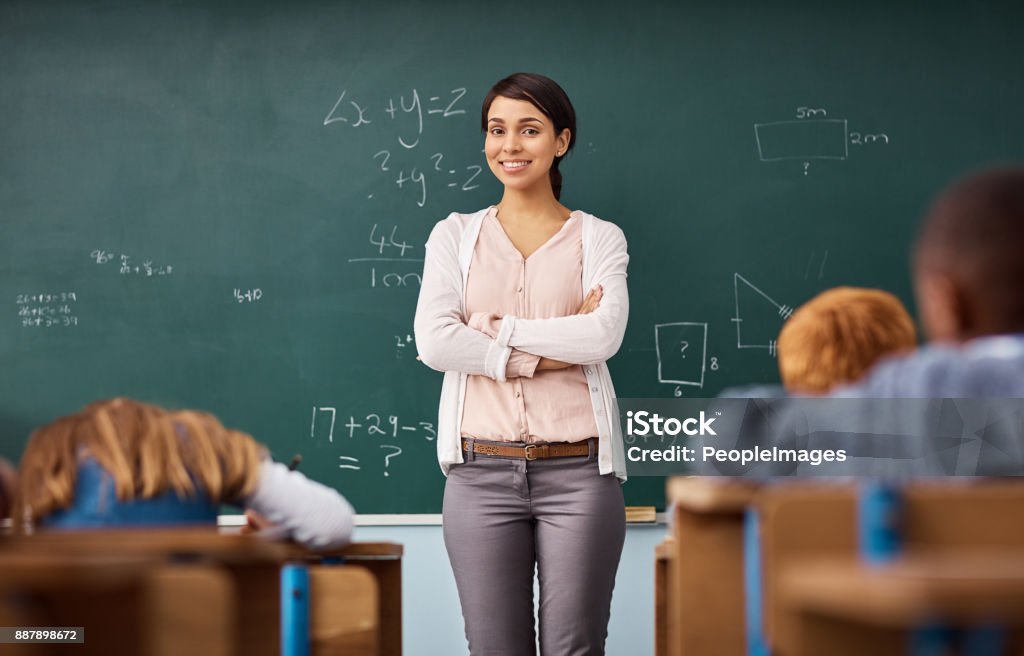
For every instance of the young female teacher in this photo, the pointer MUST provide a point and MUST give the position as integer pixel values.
(521, 305)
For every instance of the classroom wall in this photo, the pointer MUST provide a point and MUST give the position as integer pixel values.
(430, 604)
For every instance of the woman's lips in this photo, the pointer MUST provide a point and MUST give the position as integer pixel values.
(525, 164)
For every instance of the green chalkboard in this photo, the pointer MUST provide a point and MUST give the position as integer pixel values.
(224, 204)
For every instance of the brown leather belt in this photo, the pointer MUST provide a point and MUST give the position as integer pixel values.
(534, 451)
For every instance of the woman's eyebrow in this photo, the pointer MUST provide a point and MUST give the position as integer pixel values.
(528, 119)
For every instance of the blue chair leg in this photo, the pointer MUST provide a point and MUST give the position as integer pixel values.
(879, 514)
(294, 610)
(752, 584)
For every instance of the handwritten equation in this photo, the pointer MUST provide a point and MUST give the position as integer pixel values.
(408, 120)
(248, 295)
(403, 345)
(128, 266)
(372, 425)
(47, 310)
(390, 259)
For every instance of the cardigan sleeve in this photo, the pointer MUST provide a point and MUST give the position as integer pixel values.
(582, 338)
(443, 339)
(310, 513)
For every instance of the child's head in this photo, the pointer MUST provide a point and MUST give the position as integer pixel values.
(145, 449)
(836, 337)
(969, 258)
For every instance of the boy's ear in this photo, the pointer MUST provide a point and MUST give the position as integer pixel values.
(944, 312)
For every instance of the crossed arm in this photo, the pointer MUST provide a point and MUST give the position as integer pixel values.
(483, 344)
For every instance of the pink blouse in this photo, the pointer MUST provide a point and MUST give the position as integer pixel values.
(530, 406)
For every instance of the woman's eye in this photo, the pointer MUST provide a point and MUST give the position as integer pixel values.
(531, 131)
(496, 131)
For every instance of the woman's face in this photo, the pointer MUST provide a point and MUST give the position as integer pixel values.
(521, 143)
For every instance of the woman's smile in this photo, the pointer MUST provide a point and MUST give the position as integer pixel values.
(514, 165)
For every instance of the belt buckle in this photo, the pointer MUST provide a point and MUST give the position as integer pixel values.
(528, 454)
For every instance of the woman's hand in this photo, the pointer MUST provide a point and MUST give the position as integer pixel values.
(590, 303)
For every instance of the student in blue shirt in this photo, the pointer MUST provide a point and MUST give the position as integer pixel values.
(968, 267)
(125, 463)
(969, 280)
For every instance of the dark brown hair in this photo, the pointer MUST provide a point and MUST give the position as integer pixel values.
(545, 94)
(974, 233)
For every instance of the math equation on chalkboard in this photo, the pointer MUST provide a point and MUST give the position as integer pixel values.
(406, 122)
(47, 310)
(391, 261)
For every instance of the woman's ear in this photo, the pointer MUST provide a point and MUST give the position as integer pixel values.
(562, 141)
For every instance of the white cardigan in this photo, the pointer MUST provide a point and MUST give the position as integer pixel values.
(447, 344)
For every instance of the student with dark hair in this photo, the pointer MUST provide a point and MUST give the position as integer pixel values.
(521, 305)
(836, 337)
(969, 282)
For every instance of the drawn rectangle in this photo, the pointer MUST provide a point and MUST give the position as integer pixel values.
(804, 139)
(682, 352)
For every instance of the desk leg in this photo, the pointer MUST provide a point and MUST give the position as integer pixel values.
(389, 581)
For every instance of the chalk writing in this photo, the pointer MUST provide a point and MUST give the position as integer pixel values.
(248, 295)
(47, 310)
(132, 267)
(390, 252)
(811, 136)
(397, 451)
(370, 425)
(402, 344)
(346, 462)
(407, 117)
(671, 343)
(753, 306)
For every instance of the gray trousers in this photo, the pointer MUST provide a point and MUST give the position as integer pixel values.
(502, 518)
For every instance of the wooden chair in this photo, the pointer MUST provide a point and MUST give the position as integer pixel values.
(344, 618)
(383, 560)
(701, 568)
(799, 521)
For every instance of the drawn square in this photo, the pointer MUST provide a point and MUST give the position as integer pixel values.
(682, 352)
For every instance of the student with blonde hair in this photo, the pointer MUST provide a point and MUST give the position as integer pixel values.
(838, 336)
(121, 462)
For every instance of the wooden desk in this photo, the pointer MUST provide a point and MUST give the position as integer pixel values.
(842, 608)
(134, 605)
(253, 565)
